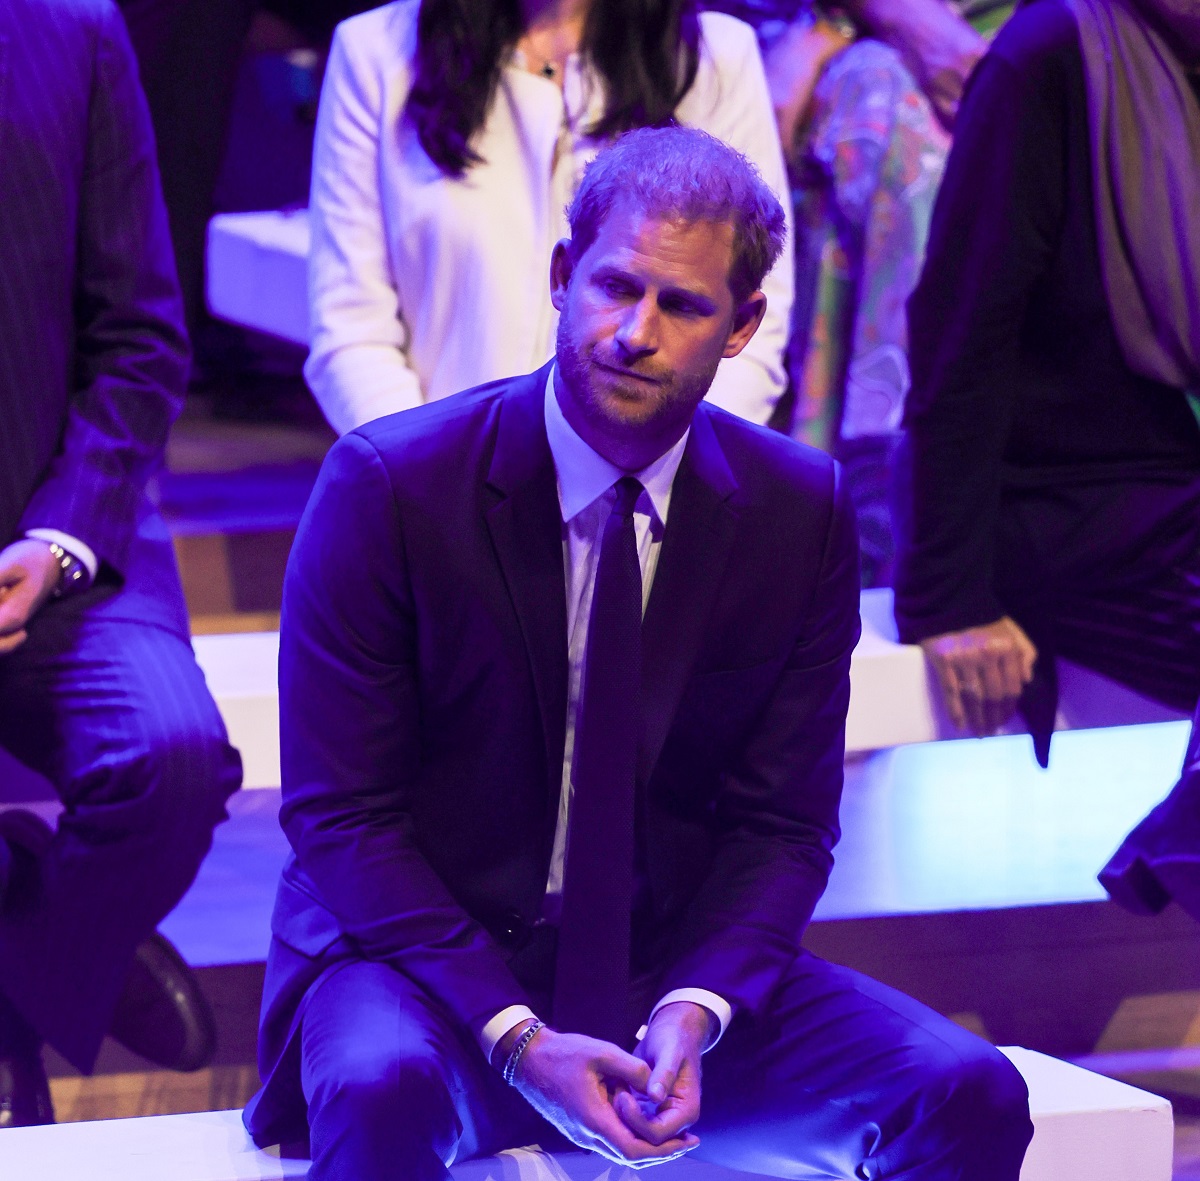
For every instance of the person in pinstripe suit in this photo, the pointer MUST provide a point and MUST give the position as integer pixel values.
(99, 689)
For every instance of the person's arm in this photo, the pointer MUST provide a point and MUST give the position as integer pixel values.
(778, 802)
(357, 366)
(994, 231)
(350, 742)
(794, 64)
(938, 46)
(131, 354)
(737, 109)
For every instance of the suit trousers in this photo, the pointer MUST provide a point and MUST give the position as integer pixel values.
(116, 714)
(842, 1078)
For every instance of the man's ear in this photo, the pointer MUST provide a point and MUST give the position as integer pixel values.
(747, 317)
(562, 263)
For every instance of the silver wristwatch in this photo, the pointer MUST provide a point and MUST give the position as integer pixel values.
(73, 574)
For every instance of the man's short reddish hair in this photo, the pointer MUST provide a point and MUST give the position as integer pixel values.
(682, 173)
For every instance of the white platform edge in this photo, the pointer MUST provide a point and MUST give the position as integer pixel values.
(892, 699)
(257, 268)
(1086, 1127)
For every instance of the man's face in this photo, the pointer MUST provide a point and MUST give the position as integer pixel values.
(646, 316)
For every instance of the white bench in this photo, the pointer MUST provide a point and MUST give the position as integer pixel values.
(257, 267)
(1085, 1126)
(242, 670)
(893, 700)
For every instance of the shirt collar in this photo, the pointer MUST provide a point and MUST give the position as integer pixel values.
(584, 475)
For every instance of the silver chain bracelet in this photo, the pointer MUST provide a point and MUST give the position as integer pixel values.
(519, 1047)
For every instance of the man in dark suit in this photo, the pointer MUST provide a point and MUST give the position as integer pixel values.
(99, 690)
(507, 796)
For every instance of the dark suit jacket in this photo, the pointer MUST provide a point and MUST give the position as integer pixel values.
(423, 688)
(93, 360)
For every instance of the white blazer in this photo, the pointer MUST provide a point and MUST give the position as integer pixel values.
(421, 285)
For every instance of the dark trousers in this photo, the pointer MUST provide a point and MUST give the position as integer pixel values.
(845, 1078)
(1159, 861)
(117, 716)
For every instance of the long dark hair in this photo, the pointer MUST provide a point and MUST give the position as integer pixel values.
(646, 51)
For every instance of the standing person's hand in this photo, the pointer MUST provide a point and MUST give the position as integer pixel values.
(670, 1103)
(29, 573)
(943, 58)
(573, 1082)
(937, 45)
(982, 671)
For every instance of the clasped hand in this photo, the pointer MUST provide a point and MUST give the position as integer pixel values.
(28, 576)
(633, 1109)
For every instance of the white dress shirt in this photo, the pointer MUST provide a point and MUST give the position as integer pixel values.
(585, 498)
(421, 285)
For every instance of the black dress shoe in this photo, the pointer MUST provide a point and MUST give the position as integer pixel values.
(24, 1091)
(162, 1014)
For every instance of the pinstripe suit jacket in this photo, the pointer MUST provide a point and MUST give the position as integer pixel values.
(93, 358)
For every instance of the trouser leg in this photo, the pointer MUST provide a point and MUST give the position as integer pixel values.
(118, 717)
(846, 1078)
(396, 1091)
(1159, 861)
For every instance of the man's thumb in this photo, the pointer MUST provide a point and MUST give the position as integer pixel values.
(662, 1077)
(615, 1063)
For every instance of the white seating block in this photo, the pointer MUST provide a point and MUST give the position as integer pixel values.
(1085, 1126)
(241, 671)
(1089, 1126)
(893, 700)
(257, 266)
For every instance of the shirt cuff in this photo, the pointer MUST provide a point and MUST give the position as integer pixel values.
(718, 1006)
(498, 1026)
(73, 546)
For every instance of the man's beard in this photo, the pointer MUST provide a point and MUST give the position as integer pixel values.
(670, 393)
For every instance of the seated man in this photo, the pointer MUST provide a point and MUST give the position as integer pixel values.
(99, 690)
(509, 799)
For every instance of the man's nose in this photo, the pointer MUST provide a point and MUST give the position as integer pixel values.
(637, 334)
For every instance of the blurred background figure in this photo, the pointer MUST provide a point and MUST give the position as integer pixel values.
(865, 95)
(99, 690)
(1051, 482)
(192, 58)
(451, 137)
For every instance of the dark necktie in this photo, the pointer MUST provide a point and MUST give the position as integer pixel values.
(591, 983)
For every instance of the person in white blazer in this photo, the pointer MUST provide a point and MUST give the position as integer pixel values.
(425, 279)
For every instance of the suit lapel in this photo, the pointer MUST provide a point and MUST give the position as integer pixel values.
(526, 530)
(695, 550)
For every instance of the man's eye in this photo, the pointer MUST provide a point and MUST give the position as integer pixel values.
(615, 288)
(680, 307)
